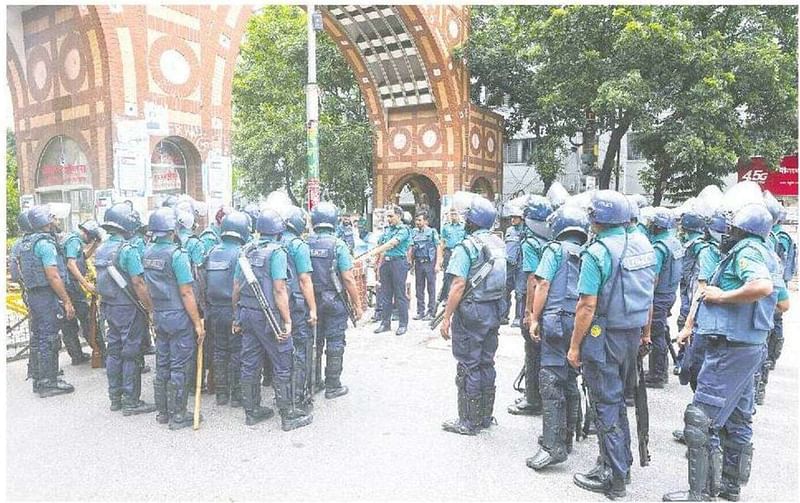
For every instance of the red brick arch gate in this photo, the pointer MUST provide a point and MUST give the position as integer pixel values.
(119, 79)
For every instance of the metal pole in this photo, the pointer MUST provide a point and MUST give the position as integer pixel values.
(312, 109)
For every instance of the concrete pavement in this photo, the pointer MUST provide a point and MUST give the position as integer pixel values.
(381, 441)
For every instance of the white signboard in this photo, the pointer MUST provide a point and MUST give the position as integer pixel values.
(591, 183)
(132, 132)
(131, 169)
(26, 202)
(219, 177)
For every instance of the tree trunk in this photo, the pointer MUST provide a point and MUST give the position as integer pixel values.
(611, 153)
(547, 183)
(658, 189)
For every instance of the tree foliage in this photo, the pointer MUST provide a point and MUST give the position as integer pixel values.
(269, 113)
(12, 181)
(701, 85)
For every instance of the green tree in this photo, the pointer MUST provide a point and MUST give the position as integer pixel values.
(269, 142)
(685, 77)
(12, 185)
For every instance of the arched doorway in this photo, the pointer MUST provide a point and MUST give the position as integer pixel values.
(175, 168)
(483, 187)
(63, 176)
(418, 193)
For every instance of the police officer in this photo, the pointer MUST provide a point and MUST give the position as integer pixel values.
(551, 319)
(453, 233)
(302, 302)
(786, 249)
(333, 279)
(25, 228)
(139, 242)
(345, 232)
(219, 266)
(269, 262)
(168, 274)
(735, 316)
(212, 235)
(669, 258)
(536, 235)
(513, 238)
(394, 271)
(78, 247)
(475, 316)
(121, 287)
(692, 232)
(615, 288)
(422, 253)
(44, 274)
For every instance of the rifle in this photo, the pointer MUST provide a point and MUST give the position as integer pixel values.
(588, 418)
(198, 388)
(337, 284)
(473, 283)
(252, 282)
(519, 380)
(97, 356)
(642, 412)
(122, 283)
(311, 366)
(320, 347)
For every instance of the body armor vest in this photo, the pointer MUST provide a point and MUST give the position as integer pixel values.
(627, 294)
(689, 266)
(108, 289)
(563, 294)
(259, 257)
(521, 277)
(670, 276)
(424, 248)
(323, 260)
(160, 277)
(74, 286)
(513, 246)
(31, 268)
(491, 249)
(220, 266)
(788, 257)
(747, 323)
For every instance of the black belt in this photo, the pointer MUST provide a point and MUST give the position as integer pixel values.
(390, 259)
(721, 340)
(422, 260)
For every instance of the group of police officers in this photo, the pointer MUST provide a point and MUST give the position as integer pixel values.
(594, 278)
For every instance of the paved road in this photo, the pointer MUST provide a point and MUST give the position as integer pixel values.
(382, 441)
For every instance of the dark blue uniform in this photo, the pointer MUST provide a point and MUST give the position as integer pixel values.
(73, 249)
(298, 262)
(393, 274)
(513, 240)
(424, 244)
(669, 260)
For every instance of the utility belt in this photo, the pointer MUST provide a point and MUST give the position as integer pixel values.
(560, 312)
(721, 340)
(392, 259)
(422, 260)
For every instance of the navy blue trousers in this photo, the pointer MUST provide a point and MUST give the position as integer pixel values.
(393, 282)
(175, 348)
(425, 280)
(258, 340)
(126, 329)
(475, 329)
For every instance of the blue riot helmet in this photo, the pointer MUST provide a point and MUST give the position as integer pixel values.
(717, 226)
(693, 221)
(512, 210)
(773, 206)
(609, 207)
(40, 216)
(270, 223)
(253, 211)
(121, 217)
(23, 223)
(295, 219)
(184, 216)
(91, 228)
(236, 225)
(753, 218)
(325, 215)
(170, 202)
(481, 213)
(569, 219)
(662, 218)
(162, 221)
(536, 211)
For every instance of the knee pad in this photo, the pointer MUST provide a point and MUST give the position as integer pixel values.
(697, 426)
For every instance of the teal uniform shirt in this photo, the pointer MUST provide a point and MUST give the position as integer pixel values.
(129, 260)
(344, 260)
(278, 262)
(181, 263)
(747, 265)
(73, 247)
(708, 258)
(193, 247)
(784, 240)
(403, 235)
(46, 251)
(452, 234)
(689, 236)
(659, 252)
(210, 239)
(137, 241)
(595, 264)
(550, 261)
(299, 251)
(463, 256)
(531, 254)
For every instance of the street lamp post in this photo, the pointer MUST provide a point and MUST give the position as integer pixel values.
(313, 25)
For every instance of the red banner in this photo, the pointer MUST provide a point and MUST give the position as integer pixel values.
(70, 174)
(781, 182)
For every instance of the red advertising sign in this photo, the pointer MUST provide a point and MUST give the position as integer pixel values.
(781, 182)
(313, 192)
(69, 174)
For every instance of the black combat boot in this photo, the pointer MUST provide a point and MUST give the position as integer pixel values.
(132, 407)
(487, 407)
(383, 327)
(573, 414)
(179, 416)
(266, 373)
(160, 397)
(34, 372)
(696, 434)
(116, 401)
(677, 435)
(469, 409)
(291, 417)
(236, 388)
(531, 403)
(53, 387)
(333, 370)
(221, 385)
(735, 470)
(553, 449)
(254, 413)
